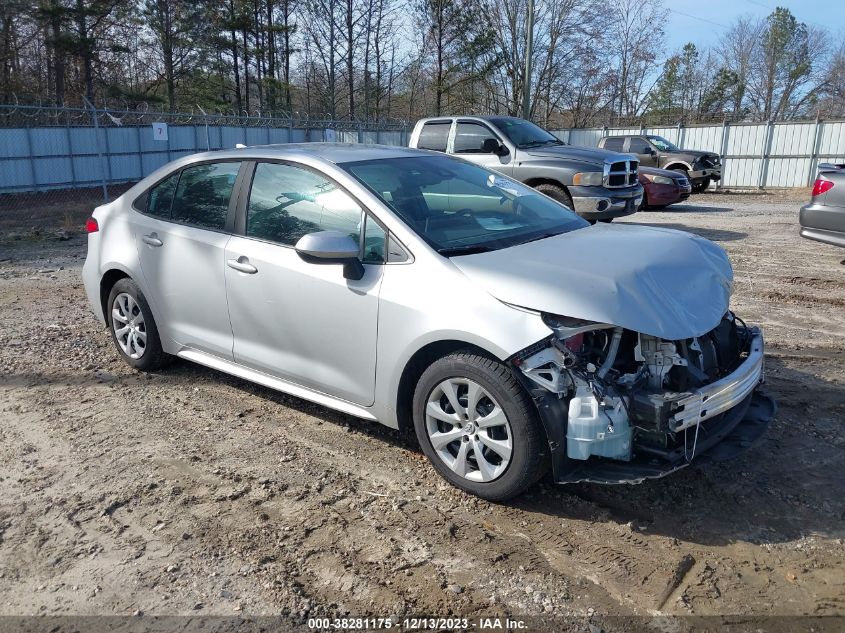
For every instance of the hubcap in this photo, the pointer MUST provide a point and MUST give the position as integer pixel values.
(468, 430)
(130, 331)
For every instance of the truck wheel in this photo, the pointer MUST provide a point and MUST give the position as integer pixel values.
(556, 192)
(702, 186)
(478, 426)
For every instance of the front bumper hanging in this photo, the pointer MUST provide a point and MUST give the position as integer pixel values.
(728, 416)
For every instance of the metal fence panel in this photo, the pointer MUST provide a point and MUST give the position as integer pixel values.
(778, 154)
(52, 148)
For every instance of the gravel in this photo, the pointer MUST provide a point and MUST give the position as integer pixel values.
(189, 491)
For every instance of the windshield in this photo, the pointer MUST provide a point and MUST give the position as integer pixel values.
(662, 144)
(460, 208)
(525, 134)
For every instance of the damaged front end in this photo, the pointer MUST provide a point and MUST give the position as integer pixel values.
(622, 406)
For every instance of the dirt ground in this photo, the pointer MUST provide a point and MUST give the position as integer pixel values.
(190, 492)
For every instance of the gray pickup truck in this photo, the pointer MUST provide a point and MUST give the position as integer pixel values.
(597, 184)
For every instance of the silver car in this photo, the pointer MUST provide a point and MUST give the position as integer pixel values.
(426, 292)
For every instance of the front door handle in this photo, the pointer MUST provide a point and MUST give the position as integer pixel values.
(242, 265)
(152, 240)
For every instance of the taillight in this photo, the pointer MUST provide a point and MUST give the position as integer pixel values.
(821, 186)
(91, 225)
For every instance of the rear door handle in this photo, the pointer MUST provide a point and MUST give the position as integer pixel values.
(242, 265)
(152, 240)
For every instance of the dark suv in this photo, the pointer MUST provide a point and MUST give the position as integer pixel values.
(656, 151)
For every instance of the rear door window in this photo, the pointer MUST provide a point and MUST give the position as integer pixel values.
(202, 196)
(614, 143)
(434, 135)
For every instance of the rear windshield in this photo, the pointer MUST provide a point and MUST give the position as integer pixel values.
(460, 208)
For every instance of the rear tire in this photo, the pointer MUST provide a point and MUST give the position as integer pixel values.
(493, 416)
(556, 192)
(133, 328)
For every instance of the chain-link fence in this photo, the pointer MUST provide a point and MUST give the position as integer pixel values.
(57, 164)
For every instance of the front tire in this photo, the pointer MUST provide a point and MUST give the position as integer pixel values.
(478, 427)
(133, 329)
(556, 192)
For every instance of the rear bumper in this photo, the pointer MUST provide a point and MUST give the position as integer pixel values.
(823, 223)
(91, 277)
(599, 203)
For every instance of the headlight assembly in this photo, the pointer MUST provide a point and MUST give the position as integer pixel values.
(588, 179)
(658, 180)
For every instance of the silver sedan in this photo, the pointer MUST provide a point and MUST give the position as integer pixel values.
(431, 294)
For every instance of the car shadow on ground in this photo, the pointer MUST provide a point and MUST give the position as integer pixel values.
(690, 206)
(716, 235)
(783, 489)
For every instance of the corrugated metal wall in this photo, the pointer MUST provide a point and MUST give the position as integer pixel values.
(753, 155)
(43, 158)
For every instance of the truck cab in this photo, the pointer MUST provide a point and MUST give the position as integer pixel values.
(597, 184)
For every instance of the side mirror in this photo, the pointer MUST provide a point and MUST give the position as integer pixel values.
(331, 247)
(652, 151)
(492, 146)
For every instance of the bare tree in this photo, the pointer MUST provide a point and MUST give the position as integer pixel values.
(634, 36)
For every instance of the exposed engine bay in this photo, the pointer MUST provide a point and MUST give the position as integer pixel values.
(625, 396)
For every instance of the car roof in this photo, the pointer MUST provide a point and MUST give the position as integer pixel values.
(329, 152)
(479, 117)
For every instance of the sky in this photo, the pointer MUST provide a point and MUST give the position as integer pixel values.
(703, 21)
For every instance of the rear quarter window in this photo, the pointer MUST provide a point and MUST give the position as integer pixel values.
(434, 136)
(160, 197)
(614, 143)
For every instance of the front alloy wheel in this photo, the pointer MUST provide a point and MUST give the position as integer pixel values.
(468, 430)
(478, 426)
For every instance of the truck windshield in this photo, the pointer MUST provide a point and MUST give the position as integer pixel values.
(525, 134)
(459, 208)
(662, 144)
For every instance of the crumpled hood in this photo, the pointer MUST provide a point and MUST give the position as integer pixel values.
(666, 283)
(573, 152)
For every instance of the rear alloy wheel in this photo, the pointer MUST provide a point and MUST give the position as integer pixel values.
(478, 426)
(133, 328)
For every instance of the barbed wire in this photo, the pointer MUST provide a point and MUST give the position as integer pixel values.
(43, 115)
